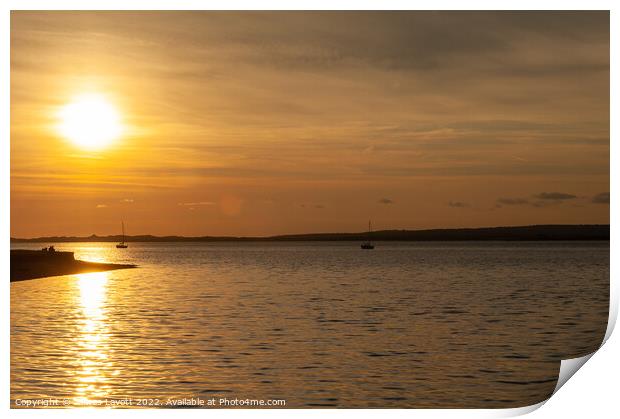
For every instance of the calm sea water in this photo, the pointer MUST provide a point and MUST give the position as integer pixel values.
(315, 324)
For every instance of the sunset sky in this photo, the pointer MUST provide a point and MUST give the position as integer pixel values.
(268, 123)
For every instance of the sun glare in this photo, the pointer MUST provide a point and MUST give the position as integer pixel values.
(90, 121)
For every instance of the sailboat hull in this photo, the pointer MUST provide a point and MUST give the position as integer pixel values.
(122, 244)
(368, 245)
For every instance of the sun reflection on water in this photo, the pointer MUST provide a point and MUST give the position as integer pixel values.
(93, 340)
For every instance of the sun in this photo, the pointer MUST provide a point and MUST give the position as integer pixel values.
(90, 121)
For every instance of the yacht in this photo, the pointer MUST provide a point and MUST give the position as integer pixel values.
(367, 245)
(122, 244)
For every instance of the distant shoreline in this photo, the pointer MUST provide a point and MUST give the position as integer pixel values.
(518, 233)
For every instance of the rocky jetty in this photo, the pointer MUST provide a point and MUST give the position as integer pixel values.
(31, 264)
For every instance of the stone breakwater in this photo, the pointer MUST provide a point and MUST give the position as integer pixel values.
(31, 264)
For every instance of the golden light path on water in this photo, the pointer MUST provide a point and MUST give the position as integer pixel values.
(315, 324)
(93, 341)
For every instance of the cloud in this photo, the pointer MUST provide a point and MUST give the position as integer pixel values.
(195, 204)
(458, 204)
(513, 201)
(385, 201)
(317, 206)
(127, 200)
(542, 199)
(554, 196)
(102, 206)
(602, 198)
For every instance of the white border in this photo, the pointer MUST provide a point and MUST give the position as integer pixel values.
(592, 393)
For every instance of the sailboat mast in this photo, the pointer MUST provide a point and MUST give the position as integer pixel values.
(123, 225)
(368, 244)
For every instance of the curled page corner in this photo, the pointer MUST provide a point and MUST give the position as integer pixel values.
(518, 411)
(569, 367)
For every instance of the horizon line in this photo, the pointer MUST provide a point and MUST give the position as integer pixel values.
(377, 232)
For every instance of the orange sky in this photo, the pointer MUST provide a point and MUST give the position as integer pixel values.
(269, 123)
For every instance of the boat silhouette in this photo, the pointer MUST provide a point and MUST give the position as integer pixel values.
(122, 244)
(367, 245)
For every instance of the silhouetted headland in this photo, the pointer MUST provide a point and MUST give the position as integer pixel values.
(522, 233)
(31, 264)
